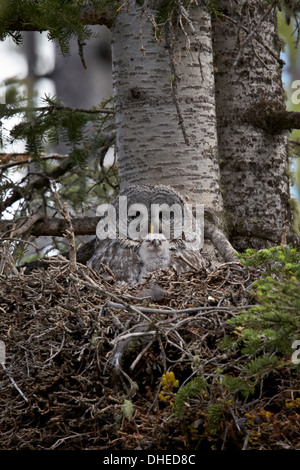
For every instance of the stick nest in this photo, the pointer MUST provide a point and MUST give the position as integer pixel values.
(80, 348)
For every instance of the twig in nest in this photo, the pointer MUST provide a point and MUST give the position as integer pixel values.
(140, 355)
(58, 351)
(121, 306)
(122, 7)
(7, 261)
(20, 240)
(14, 383)
(63, 208)
(93, 285)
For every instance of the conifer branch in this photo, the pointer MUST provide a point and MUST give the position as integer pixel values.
(15, 159)
(54, 107)
(89, 16)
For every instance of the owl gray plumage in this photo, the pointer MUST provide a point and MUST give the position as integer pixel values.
(130, 259)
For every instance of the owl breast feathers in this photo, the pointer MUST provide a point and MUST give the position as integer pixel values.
(130, 259)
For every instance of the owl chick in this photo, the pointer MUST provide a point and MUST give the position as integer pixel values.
(154, 253)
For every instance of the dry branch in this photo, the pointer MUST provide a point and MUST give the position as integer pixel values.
(15, 159)
(220, 241)
(268, 116)
(69, 233)
(56, 227)
(26, 226)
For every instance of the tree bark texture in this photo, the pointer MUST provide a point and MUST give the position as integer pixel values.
(165, 106)
(253, 158)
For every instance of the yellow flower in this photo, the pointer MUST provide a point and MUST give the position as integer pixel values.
(289, 404)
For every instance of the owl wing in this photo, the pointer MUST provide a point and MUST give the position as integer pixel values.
(183, 260)
(124, 261)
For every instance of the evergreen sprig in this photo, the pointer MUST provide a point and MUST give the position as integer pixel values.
(61, 18)
(275, 322)
(258, 348)
(84, 132)
(193, 389)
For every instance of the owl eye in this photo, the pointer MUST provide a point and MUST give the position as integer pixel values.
(135, 216)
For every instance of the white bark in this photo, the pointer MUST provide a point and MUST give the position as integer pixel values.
(150, 143)
(253, 160)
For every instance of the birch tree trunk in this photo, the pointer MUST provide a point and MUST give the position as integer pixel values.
(165, 116)
(254, 159)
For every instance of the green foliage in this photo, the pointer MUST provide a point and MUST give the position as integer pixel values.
(53, 123)
(165, 11)
(227, 344)
(274, 323)
(61, 18)
(214, 8)
(275, 260)
(84, 183)
(193, 389)
(265, 333)
(238, 384)
(258, 347)
(170, 8)
(216, 414)
(258, 367)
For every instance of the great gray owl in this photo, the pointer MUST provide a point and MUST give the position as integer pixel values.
(151, 235)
